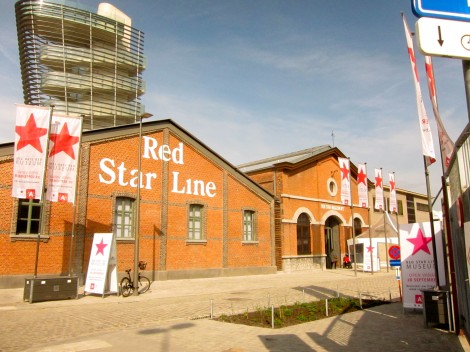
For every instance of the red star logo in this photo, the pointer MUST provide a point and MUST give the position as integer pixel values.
(63, 142)
(369, 249)
(101, 246)
(30, 134)
(344, 172)
(378, 181)
(420, 242)
(392, 185)
(361, 177)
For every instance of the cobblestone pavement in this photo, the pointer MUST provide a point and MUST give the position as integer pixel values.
(174, 316)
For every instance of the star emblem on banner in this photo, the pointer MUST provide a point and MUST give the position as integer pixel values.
(392, 185)
(420, 243)
(378, 181)
(344, 172)
(30, 134)
(101, 246)
(369, 249)
(361, 177)
(63, 142)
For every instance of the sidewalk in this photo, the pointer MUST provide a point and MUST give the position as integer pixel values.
(174, 316)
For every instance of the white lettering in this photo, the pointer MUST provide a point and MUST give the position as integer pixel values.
(150, 144)
(177, 154)
(122, 170)
(175, 183)
(165, 153)
(107, 170)
(198, 186)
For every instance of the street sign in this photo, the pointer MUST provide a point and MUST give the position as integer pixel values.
(447, 38)
(394, 252)
(451, 9)
(395, 262)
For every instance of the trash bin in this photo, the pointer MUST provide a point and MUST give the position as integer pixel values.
(436, 308)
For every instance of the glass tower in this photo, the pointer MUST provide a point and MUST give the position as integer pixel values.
(85, 63)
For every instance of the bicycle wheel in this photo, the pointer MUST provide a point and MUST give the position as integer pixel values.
(144, 284)
(126, 287)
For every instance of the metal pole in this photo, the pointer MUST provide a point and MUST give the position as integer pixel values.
(431, 220)
(137, 212)
(352, 221)
(43, 195)
(137, 215)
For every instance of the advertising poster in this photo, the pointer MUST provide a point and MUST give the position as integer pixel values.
(417, 261)
(102, 275)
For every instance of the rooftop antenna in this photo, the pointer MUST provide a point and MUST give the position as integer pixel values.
(333, 137)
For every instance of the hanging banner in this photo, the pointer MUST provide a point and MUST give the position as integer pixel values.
(417, 261)
(63, 158)
(445, 143)
(102, 269)
(425, 129)
(362, 186)
(379, 192)
(32, 124)
(393, 194)
(345, 181)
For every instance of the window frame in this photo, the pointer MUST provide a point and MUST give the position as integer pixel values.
(43, 227)
(201, 220)
(120, 228)
(249, 236)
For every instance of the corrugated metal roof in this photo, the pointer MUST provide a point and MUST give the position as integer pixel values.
(293, 158)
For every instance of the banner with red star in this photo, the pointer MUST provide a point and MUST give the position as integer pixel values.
(379, 191)
(393, 194)
(362, 186)
(63, 158)
(417, 261)
(345, 181)
(32, 124)
(427, 143)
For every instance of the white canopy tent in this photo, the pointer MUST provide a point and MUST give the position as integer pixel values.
(372, 245)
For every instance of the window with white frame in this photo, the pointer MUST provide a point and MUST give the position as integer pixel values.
(195, 231)
(124, 217)
(249, 228)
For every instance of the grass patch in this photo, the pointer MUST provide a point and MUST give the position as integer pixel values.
(298, 313)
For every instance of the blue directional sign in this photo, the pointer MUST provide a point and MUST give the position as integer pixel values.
(451, 9)
(395, 262)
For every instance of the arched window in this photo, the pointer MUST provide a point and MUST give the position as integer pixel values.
(357, 227)
(303, 235)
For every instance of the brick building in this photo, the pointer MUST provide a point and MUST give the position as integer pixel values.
(199, 215)
(311, 223)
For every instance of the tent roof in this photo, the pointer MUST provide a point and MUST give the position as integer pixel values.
(377, 230)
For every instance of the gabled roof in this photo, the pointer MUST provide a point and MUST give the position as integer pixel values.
(290, 158)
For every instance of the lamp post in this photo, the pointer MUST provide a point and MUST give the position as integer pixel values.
(137, 204)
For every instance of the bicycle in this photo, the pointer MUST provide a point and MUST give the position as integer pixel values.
(127, 285)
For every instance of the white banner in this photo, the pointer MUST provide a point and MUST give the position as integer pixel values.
(393, 194)
(379, 192)
(445, 143)
(425, 129)
(417, 261)
(63, 158)
(102, 272)
(362, 186)
(32, 124)
(345, 181)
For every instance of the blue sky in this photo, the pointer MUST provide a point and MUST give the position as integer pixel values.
(258, 78)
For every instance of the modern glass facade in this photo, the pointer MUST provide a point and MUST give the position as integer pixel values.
(85, 63)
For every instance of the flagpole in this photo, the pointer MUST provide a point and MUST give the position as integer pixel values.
(352, 220)
(431, 220)
(75, 208)
(370, 227)
(43, 195)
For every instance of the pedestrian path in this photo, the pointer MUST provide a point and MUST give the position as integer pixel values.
(174, 316)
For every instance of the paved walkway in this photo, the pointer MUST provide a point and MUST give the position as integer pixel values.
(174, 316)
